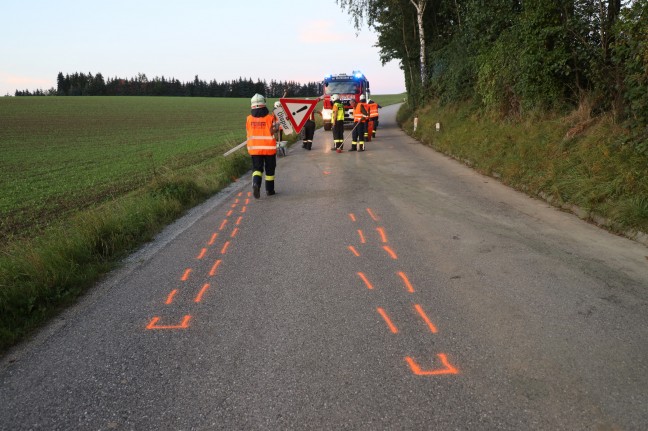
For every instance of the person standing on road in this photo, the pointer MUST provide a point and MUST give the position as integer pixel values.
(337, 118)
(261, 126)
(360, 115)
(373, 116)
(309, 130)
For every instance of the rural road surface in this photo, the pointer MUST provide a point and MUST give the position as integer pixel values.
(391, 289)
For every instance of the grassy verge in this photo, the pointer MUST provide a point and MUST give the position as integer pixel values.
(576, 162)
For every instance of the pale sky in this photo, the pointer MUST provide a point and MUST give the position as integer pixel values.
(298, 40)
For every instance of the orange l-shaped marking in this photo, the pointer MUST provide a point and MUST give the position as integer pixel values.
(183, 325)
(448, 369)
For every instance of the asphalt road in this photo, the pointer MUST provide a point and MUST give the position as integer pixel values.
(390, 289)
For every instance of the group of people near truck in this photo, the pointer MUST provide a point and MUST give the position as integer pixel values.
(365, 122)
(262, 129)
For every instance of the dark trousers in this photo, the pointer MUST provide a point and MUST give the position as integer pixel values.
(261, 163)
(338, 133)
(358, 135)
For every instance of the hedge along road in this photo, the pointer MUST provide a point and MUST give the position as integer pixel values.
(389, 289)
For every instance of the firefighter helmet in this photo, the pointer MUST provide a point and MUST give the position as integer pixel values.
(258, 101)
(335, 98)
(277, 104)
(362, 97)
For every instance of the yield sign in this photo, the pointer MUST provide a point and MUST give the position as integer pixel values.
(298, 110)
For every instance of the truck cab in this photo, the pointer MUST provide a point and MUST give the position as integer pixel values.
(348, 87)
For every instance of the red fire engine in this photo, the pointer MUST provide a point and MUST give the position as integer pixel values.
(348, 87)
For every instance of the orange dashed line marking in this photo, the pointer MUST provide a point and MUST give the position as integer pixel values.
(233, 206)
(327, 173)
(243, 209)
(185, 276)
(352, 217)
(390, 252)
(169, 299)
(224, 249)
(427, 321)
(388, 321)
(213, 269)
(247, 202)
(364, 278)
(236, 201)
(354, 251)
(202, 253)
(222, 226)
(234, 232)
(213, 239)
(372, 215)
(183, 325)
(238, 220)
(202, 292)
(361, 235)
(383, 236)
(408, 285)
(448, 369)
(240, 194)
(229, 213)
(249, 194)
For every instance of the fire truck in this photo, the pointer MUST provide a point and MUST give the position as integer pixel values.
(348, 87)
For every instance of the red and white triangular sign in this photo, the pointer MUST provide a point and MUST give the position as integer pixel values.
(298, 110)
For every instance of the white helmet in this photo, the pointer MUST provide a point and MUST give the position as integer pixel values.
(277, 104)
(362, 97)
(335, 98)
(258, 101)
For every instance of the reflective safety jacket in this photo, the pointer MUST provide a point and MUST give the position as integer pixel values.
(338, 112)
(360, 112)
(260, 140)
(373, 110)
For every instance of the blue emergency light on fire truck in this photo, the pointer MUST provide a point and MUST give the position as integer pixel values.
(348, 87)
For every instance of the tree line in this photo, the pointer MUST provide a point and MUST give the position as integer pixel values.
(517, 57)
(81, 84)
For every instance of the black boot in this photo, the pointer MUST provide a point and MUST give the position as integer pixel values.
(309, 146)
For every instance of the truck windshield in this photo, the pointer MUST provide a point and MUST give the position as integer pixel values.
(341, 87)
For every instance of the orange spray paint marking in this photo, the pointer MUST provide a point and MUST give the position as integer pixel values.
(448, 369)
(364, 278)
(213, 239)
(222, 226)
(243, 209)
(247, 202)
(233, 206)
(224, 249)
(212, 272)
(229, 213)
(185, 276)
(183, 325)
(352, 217)
(249, 194)
(390, 252)
(240, 194)
(388, 321)
(402, 275)
(234, 232)
(427, 321)
(202, 253)
(361, 235)
(372, 215)
(236, 201)
(238, 220)
(327, 173)
(169, 299)
(202, 292)
(383, 236)
(354, 251)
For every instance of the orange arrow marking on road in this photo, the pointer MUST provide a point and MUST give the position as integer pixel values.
(183, 325)
(448, 369)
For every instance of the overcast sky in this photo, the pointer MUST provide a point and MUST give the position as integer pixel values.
(300, 40)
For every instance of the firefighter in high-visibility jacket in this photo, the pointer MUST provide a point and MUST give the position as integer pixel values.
(337, 118)
(360, 116)
(261, 145)
(373, 116)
